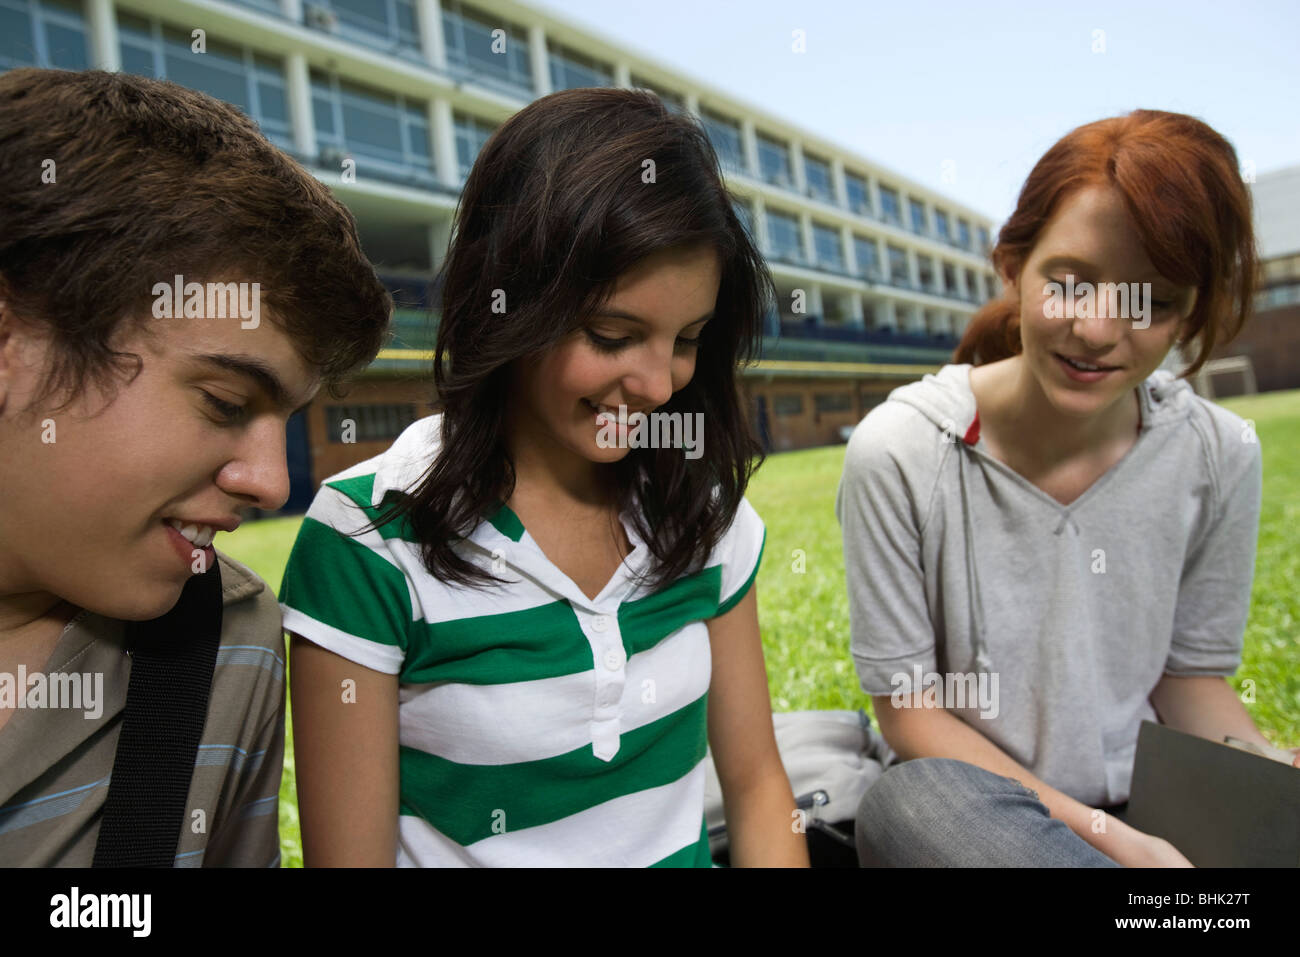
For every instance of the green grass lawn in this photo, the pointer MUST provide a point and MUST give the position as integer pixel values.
(803, 607)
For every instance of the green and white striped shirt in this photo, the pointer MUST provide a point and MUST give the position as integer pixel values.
(538, 727)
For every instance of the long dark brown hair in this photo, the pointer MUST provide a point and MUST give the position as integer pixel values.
(1180, 181)
(553, 212)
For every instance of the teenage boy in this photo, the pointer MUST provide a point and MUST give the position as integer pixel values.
(172, 289)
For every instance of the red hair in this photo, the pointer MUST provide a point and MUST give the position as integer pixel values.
(1179, 179)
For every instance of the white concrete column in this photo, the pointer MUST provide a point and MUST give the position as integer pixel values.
(301, 117)
(797, 171)
(292, 10)
(749, 141)
(913, 267)
(873, 189)
(439, 237)
(837, 182)
(443, 127)
(692, 103)
(541, 60)
(806, 230)
(622, 75)
(816, 306)
(101, 27)
(760, 225)
(887, 314)
(432, 42)
(850, 251)
(856, 312)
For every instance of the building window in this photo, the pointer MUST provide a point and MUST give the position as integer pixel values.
(368, 423)
(43, 33)
(925, 269)
(724, 134)
(787, 403)
(918, 215)
(867, 255)
(833, 401)
(471, 134)
(889, 208)
(941, 223)
(963, 234)
(949, 278)
(251, 81)
(386, 24)
(984, 239)
(855, 188)
(467, 37)
(674, 102)
(971, 291)
(774, 161)
(571, 69)
(784, 237)
(388, 132)
(267, 6)
(898, 271)
(826, 242)
(817, 174)
(746, 217)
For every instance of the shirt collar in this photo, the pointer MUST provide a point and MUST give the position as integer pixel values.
(408, 458)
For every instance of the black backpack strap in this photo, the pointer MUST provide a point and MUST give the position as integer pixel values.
(162, 724)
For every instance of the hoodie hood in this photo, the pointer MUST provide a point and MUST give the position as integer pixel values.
(946, 400)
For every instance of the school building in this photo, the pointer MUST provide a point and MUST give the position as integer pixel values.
(877, 274)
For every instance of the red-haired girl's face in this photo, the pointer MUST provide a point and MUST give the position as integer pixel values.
(636, 352)
(1092, 241)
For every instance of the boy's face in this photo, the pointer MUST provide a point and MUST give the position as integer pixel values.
(88, 490)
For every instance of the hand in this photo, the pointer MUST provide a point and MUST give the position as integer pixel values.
(1134, 848)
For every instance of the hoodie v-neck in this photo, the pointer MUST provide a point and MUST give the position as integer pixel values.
(973, 439)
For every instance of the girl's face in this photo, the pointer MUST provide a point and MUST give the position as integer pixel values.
(87, 490)
(637, 351)
(1093, 238)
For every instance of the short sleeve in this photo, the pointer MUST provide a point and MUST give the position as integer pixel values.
(1214, 590)
(889, 623)
(344, 591)
(741, 551)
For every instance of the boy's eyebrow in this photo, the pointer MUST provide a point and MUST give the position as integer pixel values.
(256, 369)
(620, 314)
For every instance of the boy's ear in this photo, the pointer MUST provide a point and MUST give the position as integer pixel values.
(16, 348)
(8, 346)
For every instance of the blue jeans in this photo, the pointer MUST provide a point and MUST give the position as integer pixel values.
(940, 812)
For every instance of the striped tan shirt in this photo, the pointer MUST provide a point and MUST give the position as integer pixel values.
(55, 762)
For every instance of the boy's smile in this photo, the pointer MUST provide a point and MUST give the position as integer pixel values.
(106, 500)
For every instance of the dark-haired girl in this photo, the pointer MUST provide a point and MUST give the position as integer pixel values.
(513, 638)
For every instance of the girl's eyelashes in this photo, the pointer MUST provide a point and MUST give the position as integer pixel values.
(614, 345)
(1160, 305)
(231, 413)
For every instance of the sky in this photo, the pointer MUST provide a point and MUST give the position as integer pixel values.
(964, 97)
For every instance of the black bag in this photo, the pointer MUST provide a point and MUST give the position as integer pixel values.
(172, 659)
(831, 758)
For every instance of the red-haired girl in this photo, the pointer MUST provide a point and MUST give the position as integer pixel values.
(1050, 540)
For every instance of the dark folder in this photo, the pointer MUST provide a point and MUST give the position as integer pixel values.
(1219, 805)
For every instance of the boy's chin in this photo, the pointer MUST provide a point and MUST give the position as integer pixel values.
(137, 603)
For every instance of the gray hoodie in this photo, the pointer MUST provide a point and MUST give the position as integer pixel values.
(1047, 625)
